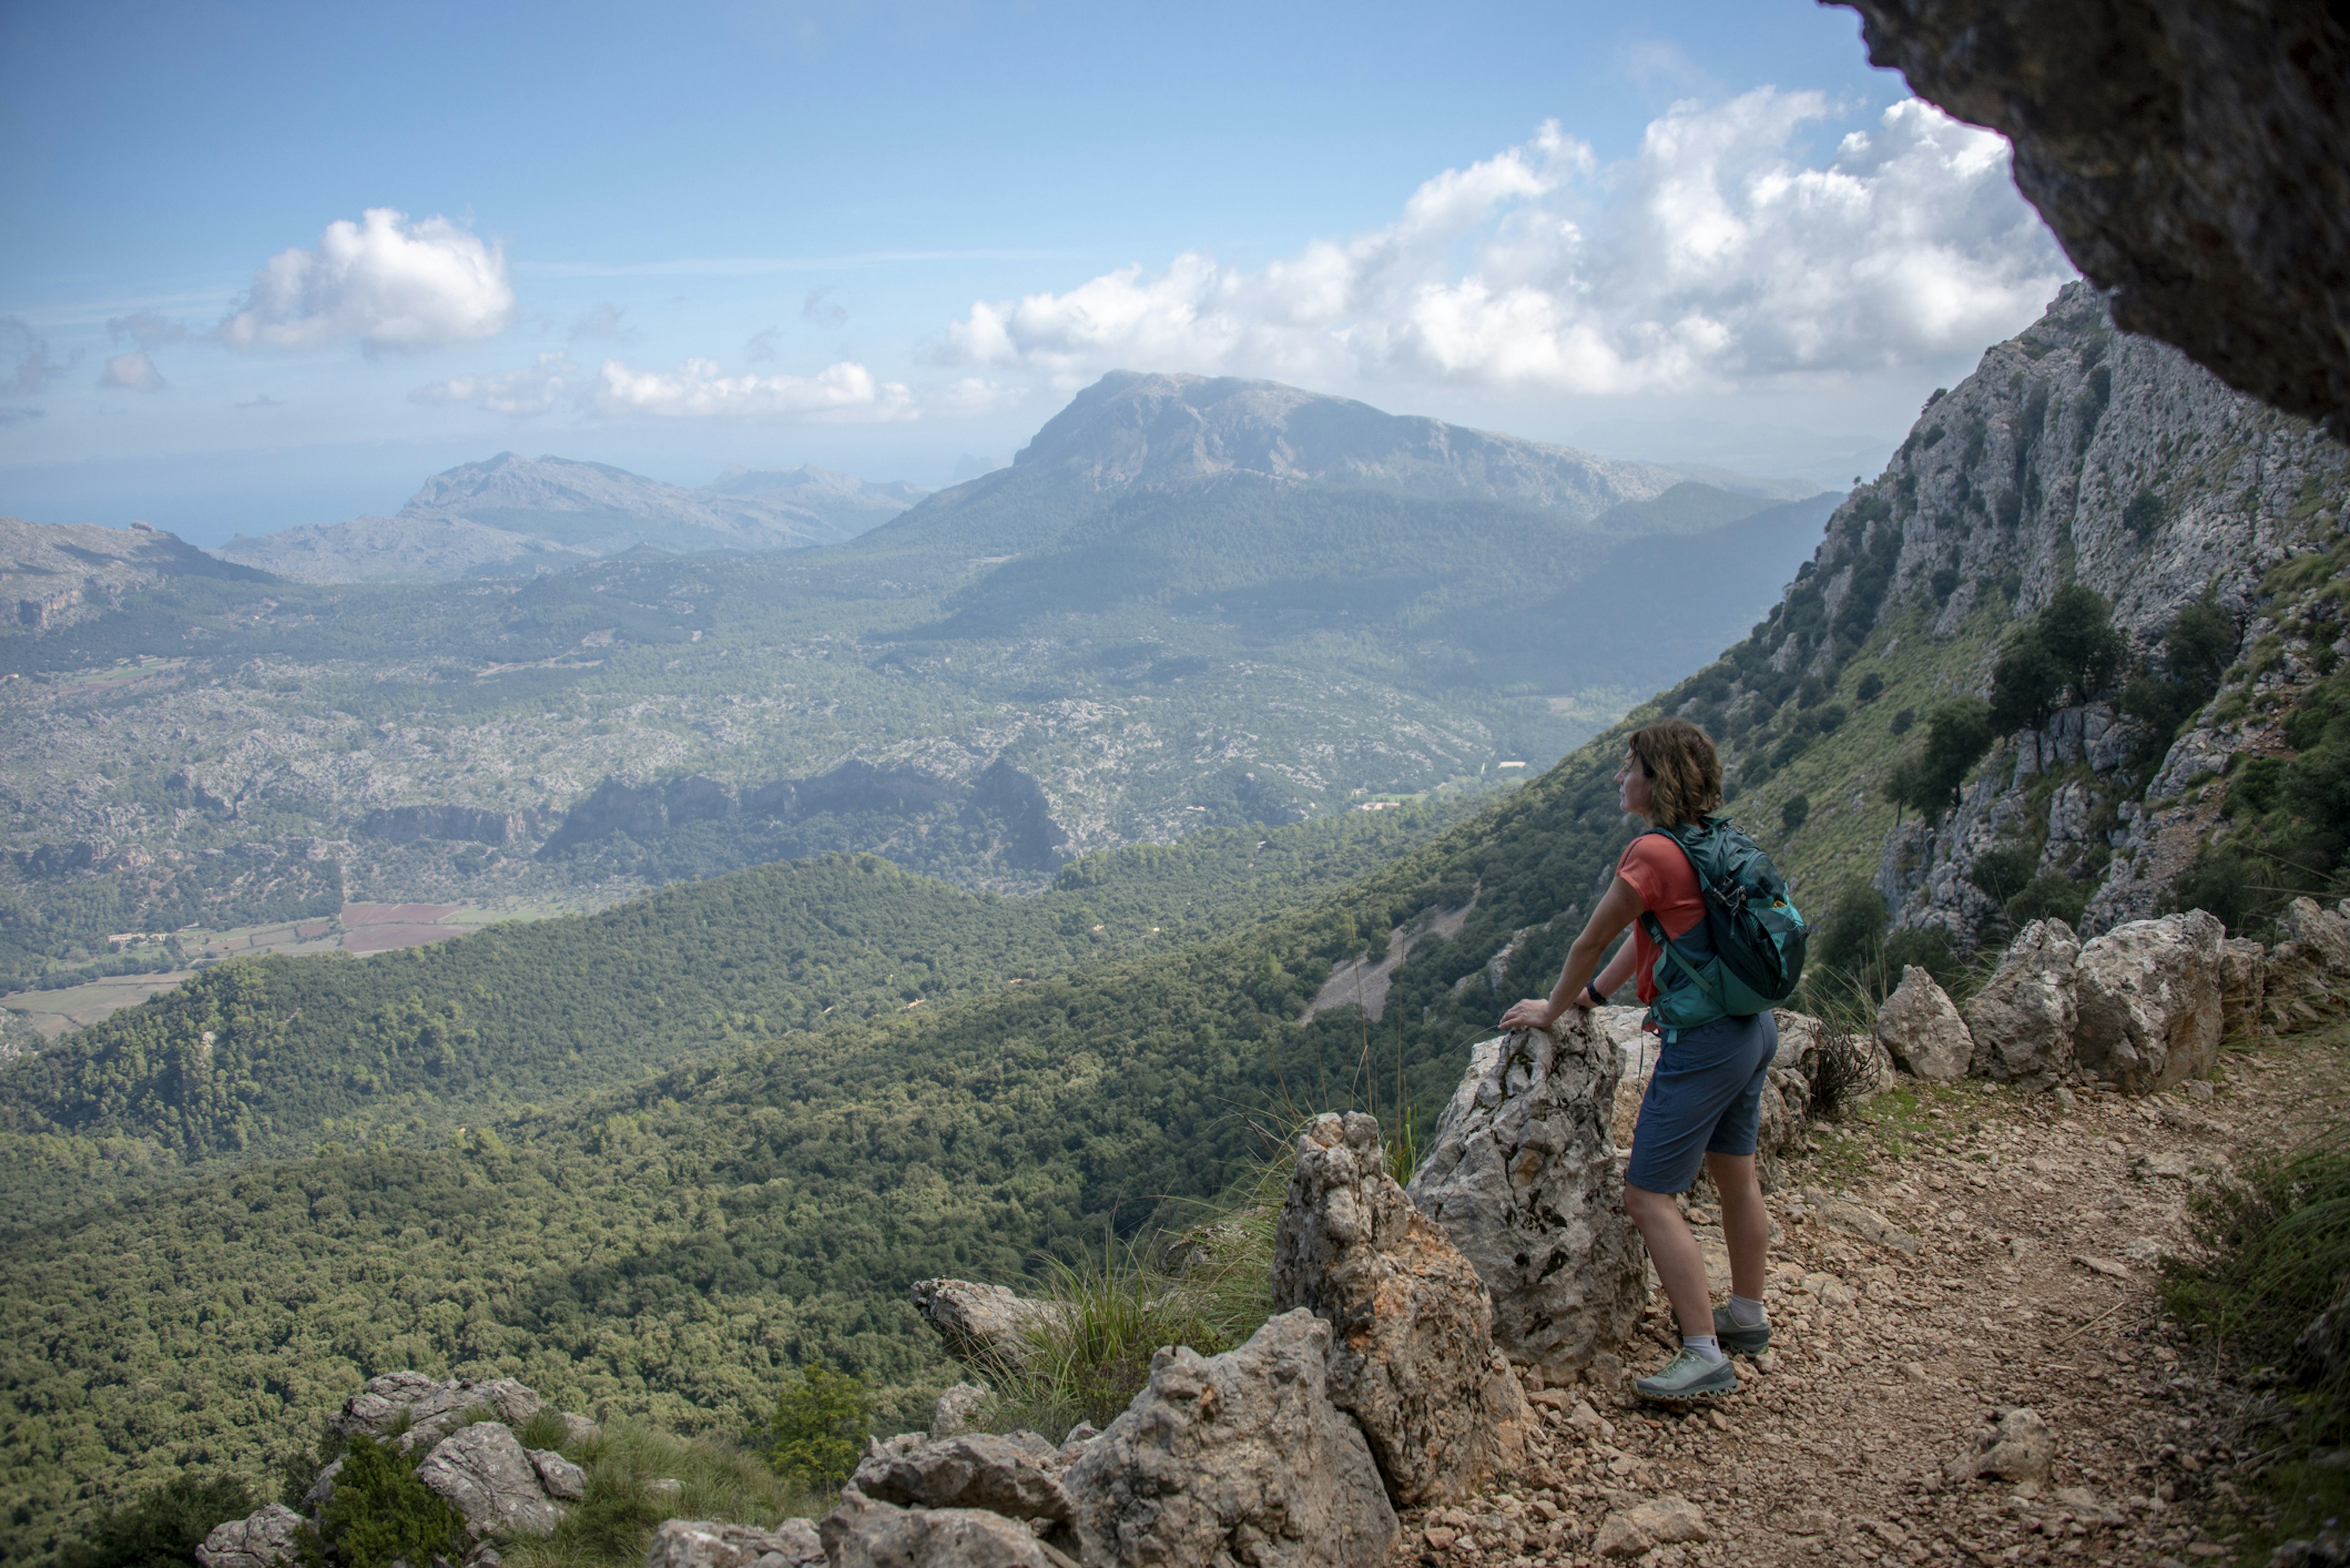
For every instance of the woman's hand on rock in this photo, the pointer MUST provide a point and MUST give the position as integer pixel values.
(1534, 1013)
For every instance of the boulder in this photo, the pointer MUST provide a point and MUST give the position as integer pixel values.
(958, 1409)
(322, 1488)
(431, 1409)
(2149, 1001)
(1238, 1458)
(578, 1429)
(863, 1533)
(1659, 1521)
(1413, 1358)
(561, 1479)
(2243, 987)
(2021, 1021)
(985, 1325)
(2308, 976)
(1922, 1029)
(486, 1474)
(2017, 1447)
(1522, 1177)
(264, 1539)
(1009, 1476)
(698, 1543)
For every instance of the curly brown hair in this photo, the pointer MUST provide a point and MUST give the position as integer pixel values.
(1684, 768)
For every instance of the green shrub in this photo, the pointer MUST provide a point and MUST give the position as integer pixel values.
(1795, 813)
(2049, 895)
(1902, 720)
(612, 1527)
(2275, 1253)
(821, 1421)
(1957, 736)
(381, 1513)
(1871, 686)
(163, 1527)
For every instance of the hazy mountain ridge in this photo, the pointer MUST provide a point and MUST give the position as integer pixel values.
(52, 575)
(1132, 432)
(516, 514)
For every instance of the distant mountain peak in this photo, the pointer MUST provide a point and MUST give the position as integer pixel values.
(1135, 427)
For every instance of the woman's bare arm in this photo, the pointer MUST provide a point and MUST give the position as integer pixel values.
(1618, 909)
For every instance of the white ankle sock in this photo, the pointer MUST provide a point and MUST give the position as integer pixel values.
(1746, 1311)
(1706, 1347)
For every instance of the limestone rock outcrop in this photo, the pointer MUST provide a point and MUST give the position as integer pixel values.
(488, 1476)
(2149, 995)
(985, 1325)
(1016, 1476)
(2307, 979)
(431, 1409)
(863, 1533)
(1522, 1177)
(1922, 1029)
(699, 1543)
(2022, 1019)
(1413, 1358)
(264, 1539)
(2194, 160)
(1238, 1458)
(958, 1409)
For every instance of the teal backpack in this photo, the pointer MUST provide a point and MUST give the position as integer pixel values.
(1747, 954)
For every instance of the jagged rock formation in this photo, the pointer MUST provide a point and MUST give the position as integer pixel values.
(261, 1540)
(2149, 995)
(984, 1324)
(1521, 1176)
(1241, 1458)
(1016, 1476)
(2073, 454)
(2022, 1019)
(488, 1476)
(863, 1533)
(2194, 158)
(1920, 1027)
(697, 1544)
(431, 1409)
(1413, 1358)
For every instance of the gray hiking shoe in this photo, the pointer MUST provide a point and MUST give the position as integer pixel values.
(1736, 1338)
(1687, 1377)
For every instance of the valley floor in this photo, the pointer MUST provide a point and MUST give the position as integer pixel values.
(2018, 1266)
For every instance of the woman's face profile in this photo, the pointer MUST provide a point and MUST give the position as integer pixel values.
(1633, 785)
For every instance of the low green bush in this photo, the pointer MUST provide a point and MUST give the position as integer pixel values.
(162, 1528)
(380, 1513)
(2275, 1254)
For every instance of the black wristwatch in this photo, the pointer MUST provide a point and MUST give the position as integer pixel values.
(1592, 992)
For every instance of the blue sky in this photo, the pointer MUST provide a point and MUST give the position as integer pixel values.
(889, 237)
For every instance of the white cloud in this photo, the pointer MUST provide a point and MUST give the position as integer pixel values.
(970, 396)
(132, 372)
(1713, 257)
(532, 389)
(695, 390)
(386, 282)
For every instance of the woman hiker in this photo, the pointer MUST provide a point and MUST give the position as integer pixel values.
(1704, 1101)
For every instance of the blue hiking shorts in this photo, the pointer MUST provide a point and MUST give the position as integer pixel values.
(1705, 1097)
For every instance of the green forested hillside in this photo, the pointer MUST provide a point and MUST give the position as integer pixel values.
(671, 1245)
(274, 1055)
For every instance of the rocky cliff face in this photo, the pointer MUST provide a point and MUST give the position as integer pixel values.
(2194, 158)
(2075, 454)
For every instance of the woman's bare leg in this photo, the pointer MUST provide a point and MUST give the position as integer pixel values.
(1745, 1223)
(1673, 1250)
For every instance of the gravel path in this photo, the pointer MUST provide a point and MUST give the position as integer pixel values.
(1948, 1254)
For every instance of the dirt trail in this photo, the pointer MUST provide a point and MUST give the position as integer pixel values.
(2020, 1269)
